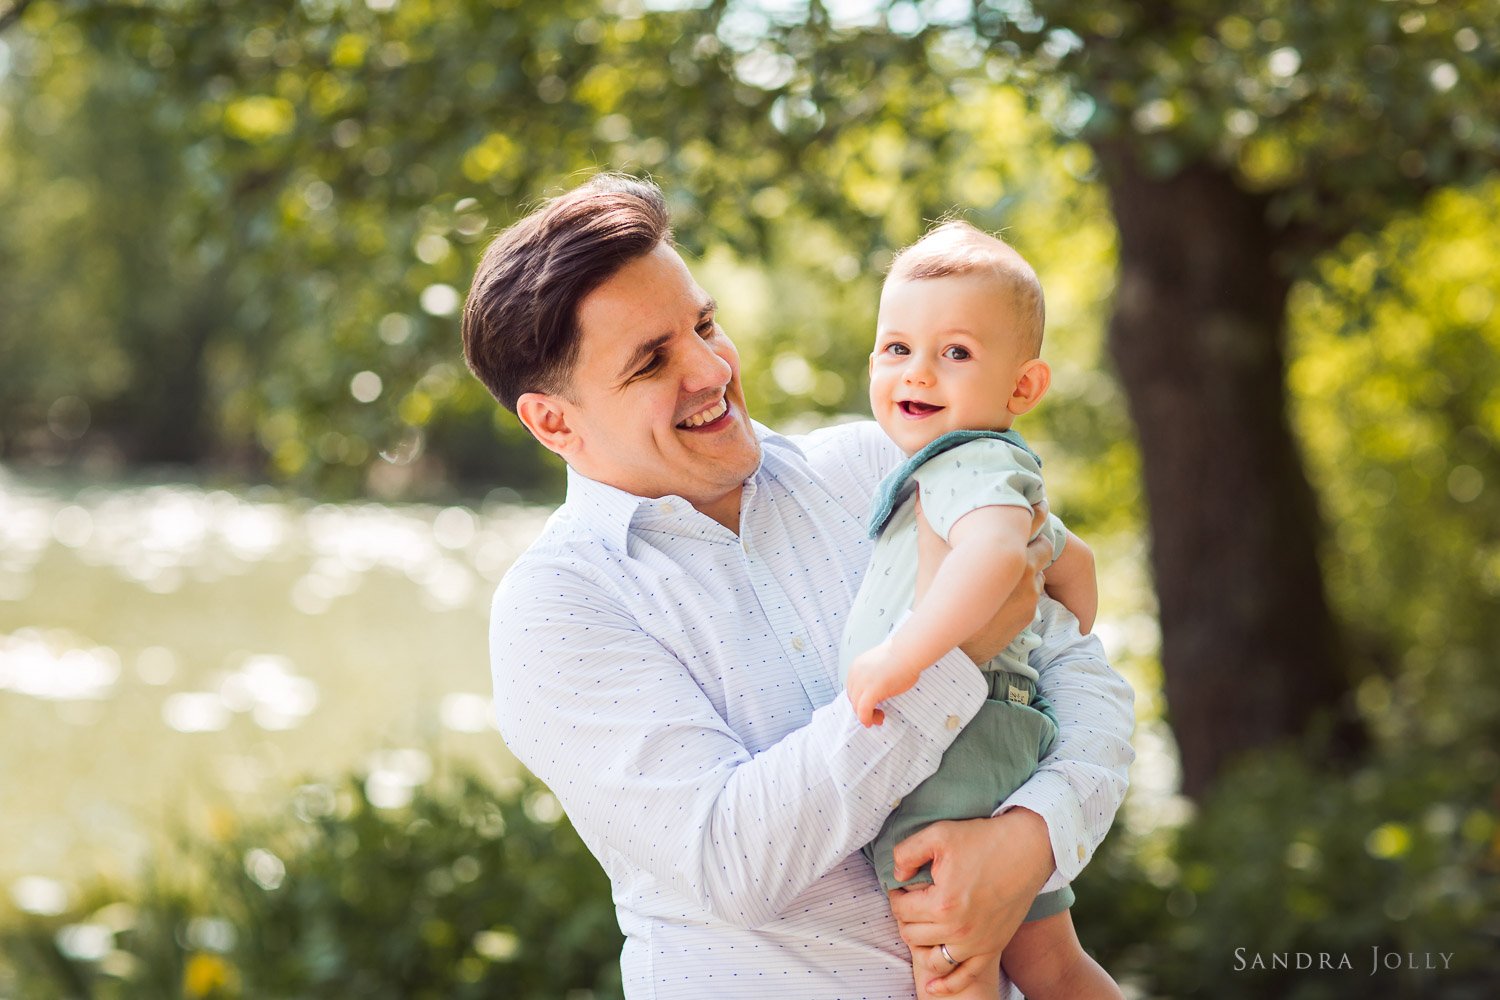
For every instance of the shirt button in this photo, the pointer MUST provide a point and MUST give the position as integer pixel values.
(667, 508)
(895, 803)
(797, 643)
(952, 722)
(1082, 853)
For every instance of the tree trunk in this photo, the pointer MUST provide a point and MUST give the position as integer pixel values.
(1250, 651)
(166, 419)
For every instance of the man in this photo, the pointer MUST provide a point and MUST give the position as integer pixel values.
(665, 655)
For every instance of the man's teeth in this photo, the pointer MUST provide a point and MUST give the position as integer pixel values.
(707, 416)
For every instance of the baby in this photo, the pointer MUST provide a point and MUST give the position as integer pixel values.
(955, 362)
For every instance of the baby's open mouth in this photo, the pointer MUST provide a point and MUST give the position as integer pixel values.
(912, 408)
(706, 416)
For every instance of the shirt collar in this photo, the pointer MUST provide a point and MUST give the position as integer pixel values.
(602, 509)
(610, 512)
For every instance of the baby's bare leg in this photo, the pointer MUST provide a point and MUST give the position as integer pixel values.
(1046, 961)
(985, 987)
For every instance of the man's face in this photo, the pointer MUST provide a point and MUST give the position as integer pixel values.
(946, 358)
(654, 398)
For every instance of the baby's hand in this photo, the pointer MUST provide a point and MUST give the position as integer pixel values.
(875, 675)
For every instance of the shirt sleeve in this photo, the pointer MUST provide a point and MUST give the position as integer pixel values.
(851, 459)
(1056, 533)
(651, 775)
(1079, 786)
(981, 473)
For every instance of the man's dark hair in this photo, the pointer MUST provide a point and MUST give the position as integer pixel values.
(520, 326)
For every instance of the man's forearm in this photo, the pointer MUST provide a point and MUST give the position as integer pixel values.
(650, 772)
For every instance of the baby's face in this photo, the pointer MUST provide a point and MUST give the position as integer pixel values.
(947, 357)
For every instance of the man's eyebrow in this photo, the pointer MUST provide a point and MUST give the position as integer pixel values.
(641, 353)
(650, 347)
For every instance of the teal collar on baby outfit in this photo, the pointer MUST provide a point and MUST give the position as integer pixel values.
(896, 487)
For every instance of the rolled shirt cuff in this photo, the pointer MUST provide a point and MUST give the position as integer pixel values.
(946, 696)
(1054, 799)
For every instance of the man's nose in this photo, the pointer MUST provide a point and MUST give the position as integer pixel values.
(705, 369)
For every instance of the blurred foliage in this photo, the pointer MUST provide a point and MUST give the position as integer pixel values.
(306, 189)
(1339, 111)
(240, 233)
(473, 892)
(1396, 383)
(465, 893)
(1402, 856)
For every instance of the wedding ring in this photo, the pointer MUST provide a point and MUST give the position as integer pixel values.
(943, 950)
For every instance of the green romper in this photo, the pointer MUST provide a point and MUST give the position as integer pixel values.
(1000, 747)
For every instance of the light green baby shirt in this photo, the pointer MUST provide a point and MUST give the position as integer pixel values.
(984, 472)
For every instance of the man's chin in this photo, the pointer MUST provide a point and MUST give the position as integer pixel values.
(750, 444)
(754, 460)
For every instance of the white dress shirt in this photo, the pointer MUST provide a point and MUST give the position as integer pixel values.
(676, 686)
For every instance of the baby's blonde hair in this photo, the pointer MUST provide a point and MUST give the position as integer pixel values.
(955, 247)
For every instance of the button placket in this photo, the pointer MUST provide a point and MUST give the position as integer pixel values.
(778, 608)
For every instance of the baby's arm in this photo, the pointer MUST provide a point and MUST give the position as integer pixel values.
(1071, 581)
(987, 556)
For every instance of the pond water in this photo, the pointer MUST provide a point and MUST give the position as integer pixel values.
(174, 657)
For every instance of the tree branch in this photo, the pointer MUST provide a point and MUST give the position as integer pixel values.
(13, 15)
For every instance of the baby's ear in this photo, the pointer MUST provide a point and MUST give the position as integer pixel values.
(1031, 386)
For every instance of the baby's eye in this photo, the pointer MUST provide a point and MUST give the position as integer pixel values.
(957, 353)
(897, 348)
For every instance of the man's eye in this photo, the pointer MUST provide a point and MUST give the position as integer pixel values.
(957, 353)
(649, 366)
(706, 328)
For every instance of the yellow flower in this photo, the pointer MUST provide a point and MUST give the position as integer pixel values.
(205, 975)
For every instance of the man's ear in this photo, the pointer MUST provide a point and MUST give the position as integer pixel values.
(546, 417)
(1031, 386)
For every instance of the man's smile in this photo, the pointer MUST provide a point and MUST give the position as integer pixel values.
(708, 417)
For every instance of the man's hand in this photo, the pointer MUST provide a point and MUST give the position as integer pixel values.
(986, 873)
(875, 675)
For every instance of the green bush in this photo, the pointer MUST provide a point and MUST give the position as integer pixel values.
(471, 892)
(465, 893)
(1288, 857)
